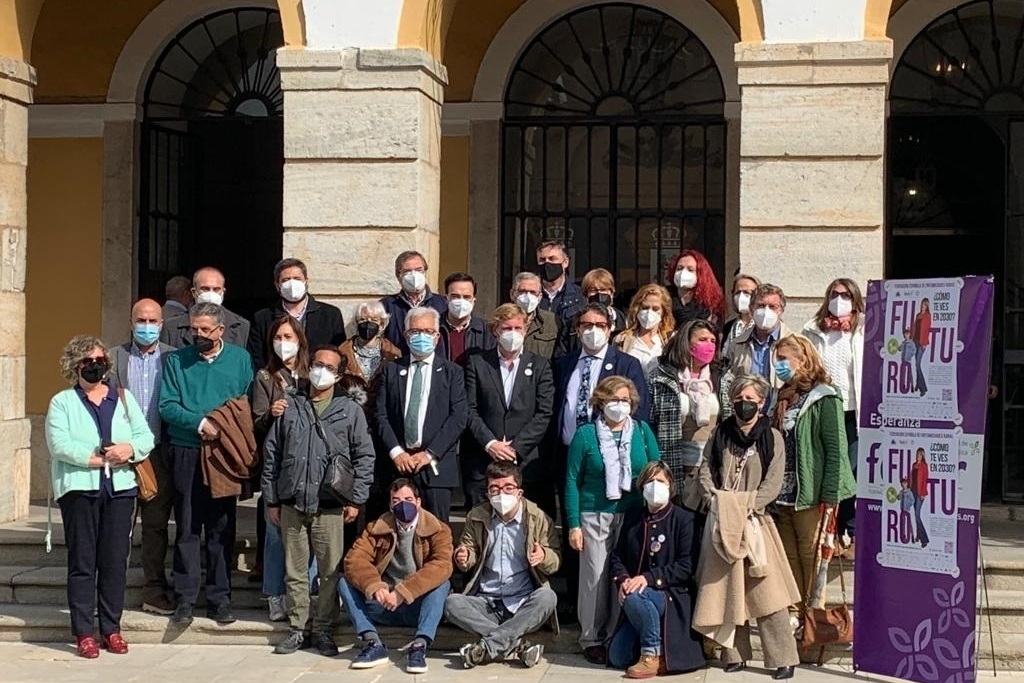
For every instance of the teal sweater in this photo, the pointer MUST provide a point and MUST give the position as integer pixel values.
(584, 482)
(72, 437)
(193, 387)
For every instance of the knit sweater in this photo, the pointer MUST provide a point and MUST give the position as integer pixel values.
(193, 386)
(403, 563)
(837, 357)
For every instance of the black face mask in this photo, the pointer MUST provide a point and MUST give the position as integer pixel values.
(93, 371)
(600, 298)
(204, 344)
(367, 330)
(744, 410)
(549, 272)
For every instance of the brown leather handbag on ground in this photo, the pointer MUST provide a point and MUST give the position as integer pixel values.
(827, 625)
(145, 475)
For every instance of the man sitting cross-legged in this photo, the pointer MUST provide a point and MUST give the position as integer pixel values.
(510, 548)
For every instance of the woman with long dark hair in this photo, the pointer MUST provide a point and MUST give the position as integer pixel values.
(921, 334)
(919, 486)
(696, 293)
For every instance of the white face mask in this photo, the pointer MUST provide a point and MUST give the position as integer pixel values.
(616, 411)
(511, 340)
(460, 308)
(742, 301)
(528, 302)
(293, 290)
(594, 339)
(210, 298)
(765, 318)
(656, 493)
(840, 307)
(504, 503)
(648, 319)
(286, 350)
(414, 281)
(685, 279)
(322, 378)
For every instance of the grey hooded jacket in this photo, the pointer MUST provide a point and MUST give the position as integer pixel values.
(295, 455)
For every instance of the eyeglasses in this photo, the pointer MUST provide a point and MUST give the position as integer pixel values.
(527, 291)
(507, 488)
(411, 332)
(846, 296)
(330, 368)
(774, 307)
(204, 331)
(590, 326)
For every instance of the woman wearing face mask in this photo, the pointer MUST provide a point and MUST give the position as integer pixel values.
(94, 433)
(368, 351)
(817, 477)
(652, 574)
(684, 403)
(696, 294)
(740, 476)
(837, 333)
(649, 324)
(743, 288)
(604, 459)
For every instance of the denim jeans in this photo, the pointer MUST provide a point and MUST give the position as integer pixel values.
(273, 563)
(640, 629)
(424, 614)
(922, 533)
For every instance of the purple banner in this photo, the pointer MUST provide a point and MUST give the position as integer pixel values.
(927, 350)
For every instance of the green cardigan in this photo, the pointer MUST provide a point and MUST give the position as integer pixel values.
(72, 439)
(822, 462)
(584, 481)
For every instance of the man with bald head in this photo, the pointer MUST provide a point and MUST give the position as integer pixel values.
(138, 366)
(208, 287)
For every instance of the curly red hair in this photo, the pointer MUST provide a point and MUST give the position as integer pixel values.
(708, 292)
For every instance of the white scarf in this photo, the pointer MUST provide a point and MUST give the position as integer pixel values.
(701, 393)
(618, 466)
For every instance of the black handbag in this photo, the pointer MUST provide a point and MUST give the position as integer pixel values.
(339, 472)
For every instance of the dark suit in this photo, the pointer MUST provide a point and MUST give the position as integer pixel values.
(177, 331)
(397, 305)
(444, 423)
(478, 338)
(322, 323)
(524, 421)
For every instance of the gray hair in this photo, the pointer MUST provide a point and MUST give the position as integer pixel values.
(207, 310)
(525, 275)
(420, 311)
(77, 350)
(373, 309)
(206, 269)
(755, 382)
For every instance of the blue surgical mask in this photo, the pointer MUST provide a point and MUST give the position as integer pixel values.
(422, 344)
(146, 333)
(783, 371)
(404, 512)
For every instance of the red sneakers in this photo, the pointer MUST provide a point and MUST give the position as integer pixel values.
(87, 647)
(115, 644)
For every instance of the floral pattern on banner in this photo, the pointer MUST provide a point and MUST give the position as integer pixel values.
(925, 651)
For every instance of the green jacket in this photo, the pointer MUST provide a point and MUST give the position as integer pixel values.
(72, 439)
(822, 462)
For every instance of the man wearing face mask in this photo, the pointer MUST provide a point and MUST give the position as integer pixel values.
(421, 414)
(411, 273)
(138, 366)
(542, 327)
(753, 352)
(207, 288)
(199, 379)
(321, 421)
(561, 297)
(322, 323)
(396, 574)
(510, 547)
(510, 394)
(599, 288)
(463, 333)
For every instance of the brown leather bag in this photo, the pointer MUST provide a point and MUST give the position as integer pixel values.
(828, 625)
(145, 474)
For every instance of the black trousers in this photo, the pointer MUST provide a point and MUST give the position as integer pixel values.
(848, 507)
(98, 532)
(155, 515)
(437, 501)
(196, 514)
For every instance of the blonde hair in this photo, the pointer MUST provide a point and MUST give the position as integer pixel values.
(668, 323)
(606, 388)
(506, 312)
(77, 350)
(812, 372)
(598, 278)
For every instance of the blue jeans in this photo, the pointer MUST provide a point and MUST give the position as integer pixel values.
(424, 614)
(922, 383)
(922, 533)
(641, 628)
(273, 563)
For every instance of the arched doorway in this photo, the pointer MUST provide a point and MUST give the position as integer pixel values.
(956, 189)
(211, 178)
(614, 142)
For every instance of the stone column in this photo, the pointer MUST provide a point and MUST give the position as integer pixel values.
(812, 187)
(362, 134)
(16, 81)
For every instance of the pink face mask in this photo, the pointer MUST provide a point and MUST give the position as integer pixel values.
(703, 352)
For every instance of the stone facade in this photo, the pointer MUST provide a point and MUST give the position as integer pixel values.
(16, 82)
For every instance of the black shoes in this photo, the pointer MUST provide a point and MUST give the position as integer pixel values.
(291, 643)
(735, 667)
(183, 614)
(782, 673)
(220, 614)
(324, 644)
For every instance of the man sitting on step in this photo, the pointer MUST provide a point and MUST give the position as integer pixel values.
(511, 548)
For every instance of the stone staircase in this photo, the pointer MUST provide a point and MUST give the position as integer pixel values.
(33, 603)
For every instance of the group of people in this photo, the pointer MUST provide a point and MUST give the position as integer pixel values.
(657, 437)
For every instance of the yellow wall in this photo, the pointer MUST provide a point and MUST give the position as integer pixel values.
(454, 206)
(65, 201)
(17, 22)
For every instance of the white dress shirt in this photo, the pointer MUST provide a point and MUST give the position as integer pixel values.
(649, 356)
(572, 391)
(427, 371)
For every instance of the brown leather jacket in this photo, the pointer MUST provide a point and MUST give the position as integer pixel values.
(371, 554)
(229, 461)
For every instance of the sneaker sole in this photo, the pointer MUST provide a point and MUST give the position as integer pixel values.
(368, 665)
(415, 669)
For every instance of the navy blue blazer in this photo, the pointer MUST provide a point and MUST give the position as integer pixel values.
(615, 363)
(397, 306)
(445, 421)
